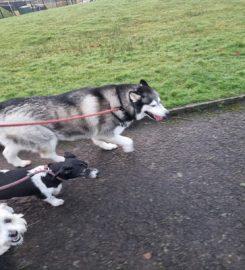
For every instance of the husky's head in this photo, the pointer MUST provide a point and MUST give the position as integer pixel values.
(72, 168)
(147, 102)
(12, 228)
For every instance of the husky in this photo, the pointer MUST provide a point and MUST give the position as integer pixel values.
(12, 228)
(134, 100)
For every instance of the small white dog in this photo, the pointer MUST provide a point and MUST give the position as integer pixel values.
(12, 228)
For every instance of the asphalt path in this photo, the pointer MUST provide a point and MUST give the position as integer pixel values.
(175, 203)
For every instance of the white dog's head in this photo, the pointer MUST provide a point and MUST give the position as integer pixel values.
(12, 228)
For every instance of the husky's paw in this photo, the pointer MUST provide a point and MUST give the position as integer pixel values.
(59, 159)
(128, 148)
(22, 163)
(104, 145)
(109, 146)
(52, 156)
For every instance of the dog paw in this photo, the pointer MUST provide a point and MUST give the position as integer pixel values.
(54, 201)
(93, 173)
(108, 146)
(52, 156)
(128, 148)
(58, 158)
(22, 163)
(58, 202)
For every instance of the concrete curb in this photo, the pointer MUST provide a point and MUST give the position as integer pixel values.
(214, 105)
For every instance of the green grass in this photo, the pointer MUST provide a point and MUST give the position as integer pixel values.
(5, 13)
(190, 51)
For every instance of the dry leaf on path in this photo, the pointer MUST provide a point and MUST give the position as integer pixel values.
(147, 255)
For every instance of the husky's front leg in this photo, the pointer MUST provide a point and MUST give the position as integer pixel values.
(126, 143)
(104, 145)
(10, 152)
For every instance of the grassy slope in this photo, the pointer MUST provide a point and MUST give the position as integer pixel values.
(189, 50)
(5, 13)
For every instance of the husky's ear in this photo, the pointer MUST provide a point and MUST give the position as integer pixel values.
(69, 155)
(134, 96)
(144, 83)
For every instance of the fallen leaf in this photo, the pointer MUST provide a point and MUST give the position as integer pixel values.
(147, 255)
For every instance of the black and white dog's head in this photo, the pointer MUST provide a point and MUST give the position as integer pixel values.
(72, 168)
(147, 102)
(12, 228)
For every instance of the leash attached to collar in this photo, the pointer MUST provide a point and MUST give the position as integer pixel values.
(121, 108)
(54, 121)
(27, 177)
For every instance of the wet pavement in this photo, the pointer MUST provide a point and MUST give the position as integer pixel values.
(175, 203)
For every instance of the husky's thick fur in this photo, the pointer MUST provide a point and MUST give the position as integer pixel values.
(12, 228)
(135, 100)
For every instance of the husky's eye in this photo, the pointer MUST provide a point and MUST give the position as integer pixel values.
(153, 103)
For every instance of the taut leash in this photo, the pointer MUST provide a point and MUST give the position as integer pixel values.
(27, 177)
(53, 121)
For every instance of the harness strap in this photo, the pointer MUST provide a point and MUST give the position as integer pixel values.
(127, 115)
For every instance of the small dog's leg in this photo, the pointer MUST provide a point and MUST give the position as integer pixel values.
(104, 145)
(11, 154)
(54, 201)
(56, 191)
(126, 143)
(46, 192)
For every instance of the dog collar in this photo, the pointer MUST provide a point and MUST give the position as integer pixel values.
(127, 116)
(55, 175)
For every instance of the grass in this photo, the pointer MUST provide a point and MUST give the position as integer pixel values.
(4, 13)
(189, 51)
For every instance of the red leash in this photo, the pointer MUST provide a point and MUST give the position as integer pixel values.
(23, 179)
(53, 121)
(45, 123)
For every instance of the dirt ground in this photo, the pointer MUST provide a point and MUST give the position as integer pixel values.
(175, 203)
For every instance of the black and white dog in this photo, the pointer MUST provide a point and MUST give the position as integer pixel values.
(45, 181)
(12, 228)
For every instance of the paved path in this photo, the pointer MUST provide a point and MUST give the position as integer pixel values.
(177, 200)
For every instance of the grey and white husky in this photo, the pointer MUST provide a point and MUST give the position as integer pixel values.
(135, 101)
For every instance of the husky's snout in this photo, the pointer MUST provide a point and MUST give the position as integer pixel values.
(157, 113)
